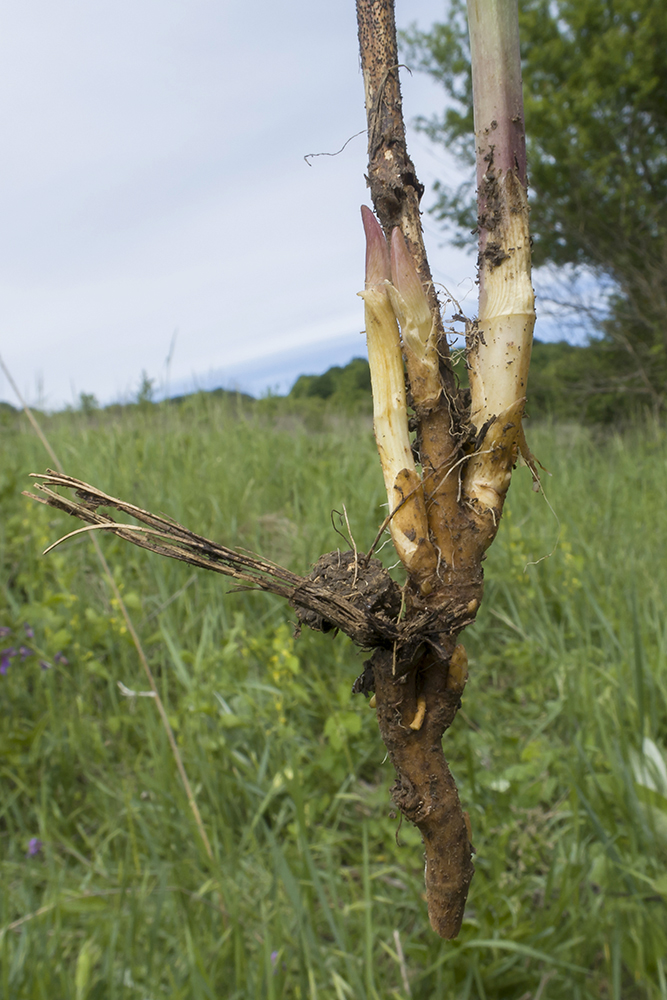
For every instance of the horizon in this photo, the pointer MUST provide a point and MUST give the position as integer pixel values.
(276, 377)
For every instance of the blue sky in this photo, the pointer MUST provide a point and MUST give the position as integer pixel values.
(154, 193)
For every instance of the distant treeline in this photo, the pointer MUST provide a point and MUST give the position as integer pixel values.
(348, 386)
(579, 384)
(565, 383)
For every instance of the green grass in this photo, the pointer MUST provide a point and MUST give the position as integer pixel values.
(311, 874)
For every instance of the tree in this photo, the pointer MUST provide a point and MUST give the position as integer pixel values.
(446, 488)
(595, 90)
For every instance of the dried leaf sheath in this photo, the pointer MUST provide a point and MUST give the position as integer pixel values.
(347, 611)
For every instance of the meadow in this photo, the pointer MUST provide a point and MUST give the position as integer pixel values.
(314, 890)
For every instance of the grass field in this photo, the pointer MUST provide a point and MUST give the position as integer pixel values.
(107, 891)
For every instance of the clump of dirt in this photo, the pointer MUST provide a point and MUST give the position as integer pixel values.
(494, 254)
(363, 582)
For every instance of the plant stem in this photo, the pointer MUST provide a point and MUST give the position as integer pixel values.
(499, 343)
(395, 187)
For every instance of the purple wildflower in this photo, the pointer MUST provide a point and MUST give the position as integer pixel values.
(274, 961)
(24, 651)
(5, 630)
(34, 847)
(5, 659)
(28, 631)
(45, 665)
(61, 658)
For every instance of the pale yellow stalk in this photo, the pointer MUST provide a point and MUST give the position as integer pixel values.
(409, 523)
(418, 331)
(499, 347)
(499, 343)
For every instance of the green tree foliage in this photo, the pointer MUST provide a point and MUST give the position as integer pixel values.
(88, 403)
(557, 373)
(560, 383)
(347, 386)
(595, 83)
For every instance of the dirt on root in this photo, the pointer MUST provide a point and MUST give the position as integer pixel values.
(363, 582)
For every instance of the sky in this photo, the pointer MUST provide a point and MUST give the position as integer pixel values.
(157, 211)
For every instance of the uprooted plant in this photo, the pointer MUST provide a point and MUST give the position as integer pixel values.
(446, 466)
